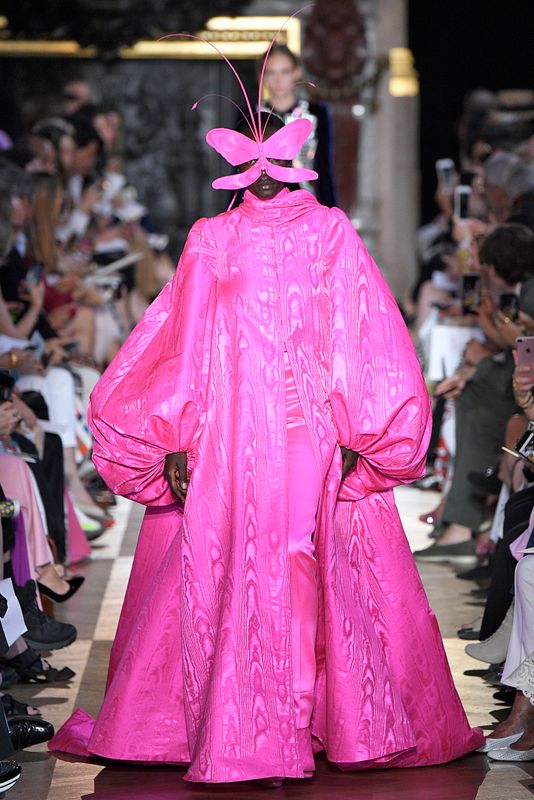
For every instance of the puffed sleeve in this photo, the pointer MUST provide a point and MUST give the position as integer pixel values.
(151, 400)
(379, 401)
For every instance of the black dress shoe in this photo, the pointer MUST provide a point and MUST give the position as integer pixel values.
(8, 676)
(482, 572)
(480, 593)
(9, 774)
(27, 731)
(493, 675)
(468, 634)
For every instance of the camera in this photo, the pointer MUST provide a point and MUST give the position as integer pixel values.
(470, 292)
(7, 382)
(446, 172)
(462, 194)
(509, 305)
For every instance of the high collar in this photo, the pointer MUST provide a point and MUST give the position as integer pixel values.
(282, 208)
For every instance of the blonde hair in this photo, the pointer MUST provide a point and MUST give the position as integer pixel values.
(44, 218)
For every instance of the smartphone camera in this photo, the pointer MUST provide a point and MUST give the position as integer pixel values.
(462, 194)
(446, 172)
(7, 382)
(33, 274)
(509, 305)
(470, 293)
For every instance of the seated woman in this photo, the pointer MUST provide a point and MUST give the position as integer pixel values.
(513, 739)
(54, 383)
(18, 482)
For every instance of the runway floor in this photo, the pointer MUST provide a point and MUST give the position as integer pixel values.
(95, 609)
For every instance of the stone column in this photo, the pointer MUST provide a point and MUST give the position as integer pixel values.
(397, 168)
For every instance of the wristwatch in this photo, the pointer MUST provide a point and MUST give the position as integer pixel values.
(13, 360)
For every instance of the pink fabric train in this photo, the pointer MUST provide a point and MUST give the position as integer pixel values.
(200, 670)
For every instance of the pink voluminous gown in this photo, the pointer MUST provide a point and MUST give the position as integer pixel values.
(201, 667)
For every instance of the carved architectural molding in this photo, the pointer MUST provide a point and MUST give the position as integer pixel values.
(334, 53)
(108, 25)
(246, 37)
(335, 48)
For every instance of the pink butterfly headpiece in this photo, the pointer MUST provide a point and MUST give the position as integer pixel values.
(236, 148)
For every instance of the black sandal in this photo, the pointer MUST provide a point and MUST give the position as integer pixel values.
(29, 668)
(14, 708)
(8, 677)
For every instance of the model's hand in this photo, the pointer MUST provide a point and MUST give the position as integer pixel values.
(349, 459)
(176, 473)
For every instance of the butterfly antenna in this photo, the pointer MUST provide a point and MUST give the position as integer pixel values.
(225, 97)
(253, 125)
(266, 57)
(232, 201)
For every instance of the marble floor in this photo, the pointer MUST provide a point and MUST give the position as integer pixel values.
(95, 611)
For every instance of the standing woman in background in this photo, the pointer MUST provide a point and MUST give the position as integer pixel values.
(283, 73)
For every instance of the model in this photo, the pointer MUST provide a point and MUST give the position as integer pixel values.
(263, 409)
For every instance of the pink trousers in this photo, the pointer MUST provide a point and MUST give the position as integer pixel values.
(18, 484)
(304, 489)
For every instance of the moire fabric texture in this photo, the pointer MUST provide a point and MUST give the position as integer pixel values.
(201, 668)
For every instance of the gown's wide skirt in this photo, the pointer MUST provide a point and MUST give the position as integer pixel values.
(384, 692)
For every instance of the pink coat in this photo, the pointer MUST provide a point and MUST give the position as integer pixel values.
(200, 670)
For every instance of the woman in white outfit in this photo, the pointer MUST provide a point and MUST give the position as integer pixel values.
(513, 739)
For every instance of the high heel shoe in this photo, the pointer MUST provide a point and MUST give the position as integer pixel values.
(74, 584)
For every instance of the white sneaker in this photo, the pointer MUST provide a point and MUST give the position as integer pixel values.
(86, 523)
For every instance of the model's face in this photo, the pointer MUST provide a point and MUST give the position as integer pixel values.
(265, 187)
(280, 77)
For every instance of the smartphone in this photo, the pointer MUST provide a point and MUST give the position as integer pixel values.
(509, 305)
(525, 351)
(33, 275)
(446, 172)
(7, 382)
(462, 194)
(470, 292)
(524, 447)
